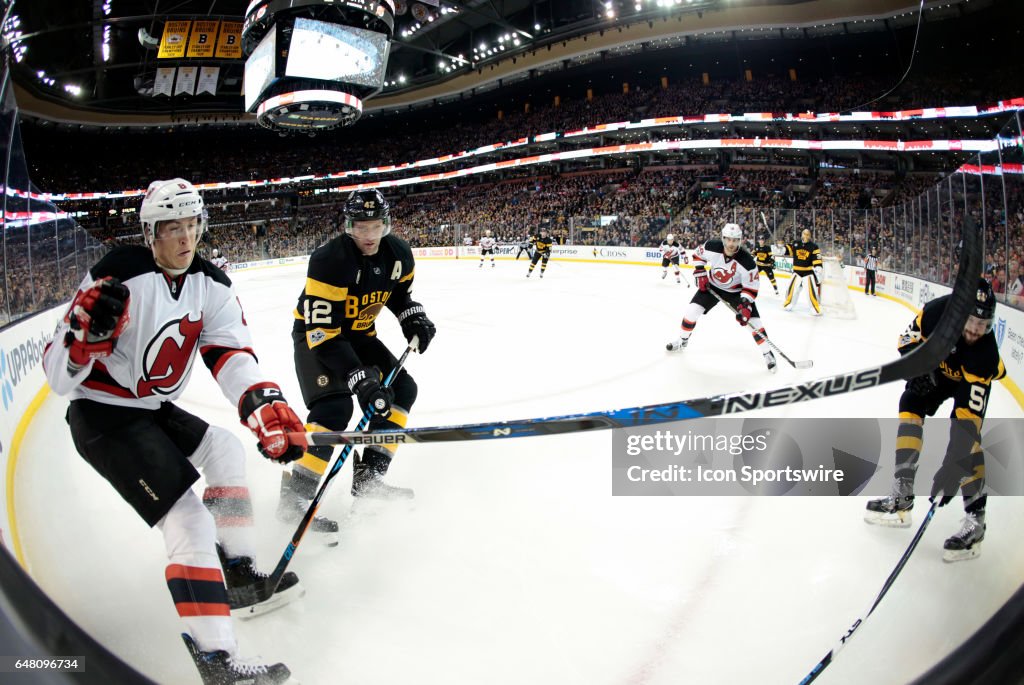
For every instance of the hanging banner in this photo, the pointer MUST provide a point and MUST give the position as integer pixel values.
(186, 81)
(229, 43)
(207, 80)
(203, 39)
(172, 43)
(164, 81)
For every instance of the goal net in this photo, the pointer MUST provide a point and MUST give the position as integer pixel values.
(835, 296)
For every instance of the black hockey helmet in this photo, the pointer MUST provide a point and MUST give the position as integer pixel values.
(367, 205)
(985, 304)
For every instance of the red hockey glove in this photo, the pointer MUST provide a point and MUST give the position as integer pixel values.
(98, 316)
(266, 413)
(701, 277)
(743, 313)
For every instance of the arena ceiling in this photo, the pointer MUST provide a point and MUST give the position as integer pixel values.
(100, 55)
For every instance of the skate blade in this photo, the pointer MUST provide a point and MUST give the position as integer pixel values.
(953, 555)
(327, 539)
(278, 600)
(901, 520)
(368, 509)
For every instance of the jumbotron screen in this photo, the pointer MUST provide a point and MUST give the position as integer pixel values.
(260, 69)
(332, 52)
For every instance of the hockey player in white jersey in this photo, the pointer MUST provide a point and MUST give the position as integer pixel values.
(487, 244)
(219, 260)
(123, 354)
(728, 268)
(670, 251)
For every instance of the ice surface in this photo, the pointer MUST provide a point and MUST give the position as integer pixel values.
(516, 564)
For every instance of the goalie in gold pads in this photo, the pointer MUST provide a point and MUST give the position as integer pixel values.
(806, 272)
(349, 281)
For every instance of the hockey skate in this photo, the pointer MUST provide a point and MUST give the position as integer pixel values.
(677, 344)
(663, 274)
(367, 483)
(291, 507)
(220, 668)
(892, 511)
(769, 359)
(249, 591)
(966, 544)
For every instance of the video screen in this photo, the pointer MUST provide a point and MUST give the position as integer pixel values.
(332, 52)
(259, 68)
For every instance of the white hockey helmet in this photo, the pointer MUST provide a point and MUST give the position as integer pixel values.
(732, 231)
(669, 238)
(216, 252)
(487, 233)
(168, 201)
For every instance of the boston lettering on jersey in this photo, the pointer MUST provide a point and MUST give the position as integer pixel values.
(345, 290)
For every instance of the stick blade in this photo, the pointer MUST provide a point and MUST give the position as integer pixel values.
(804, 364)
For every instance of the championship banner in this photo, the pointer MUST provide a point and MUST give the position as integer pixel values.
(172, 43)
(164, 81)
(186, 81)
(208, 80)
(229, 43)
(203, 39)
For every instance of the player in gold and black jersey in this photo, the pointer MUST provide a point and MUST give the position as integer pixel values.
(966, 376)
(541, 252)
(349, 281)
(766, 262)
(806, 271)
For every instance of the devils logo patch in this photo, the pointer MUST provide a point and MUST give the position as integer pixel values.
(168, 357)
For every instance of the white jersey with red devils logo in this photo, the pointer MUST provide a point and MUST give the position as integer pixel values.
(736, 274)
(172, 320)
(669, 250)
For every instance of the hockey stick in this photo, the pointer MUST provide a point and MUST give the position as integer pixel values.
(823, 664)
(925, 358)
(802, 364)
(289, 551)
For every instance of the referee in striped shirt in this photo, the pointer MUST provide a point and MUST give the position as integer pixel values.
(870, 266)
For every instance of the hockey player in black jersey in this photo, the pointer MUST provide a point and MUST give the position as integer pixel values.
(806, 272)
(966, 376)
(766, 262)
(727, 267)
(541, 252)
(124, 353)
(338, 355)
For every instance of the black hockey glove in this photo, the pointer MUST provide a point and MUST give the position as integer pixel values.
(98, 316)
(743, 313)
(364, 383)
(947, 479)
(922, 386)
(416, 324)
